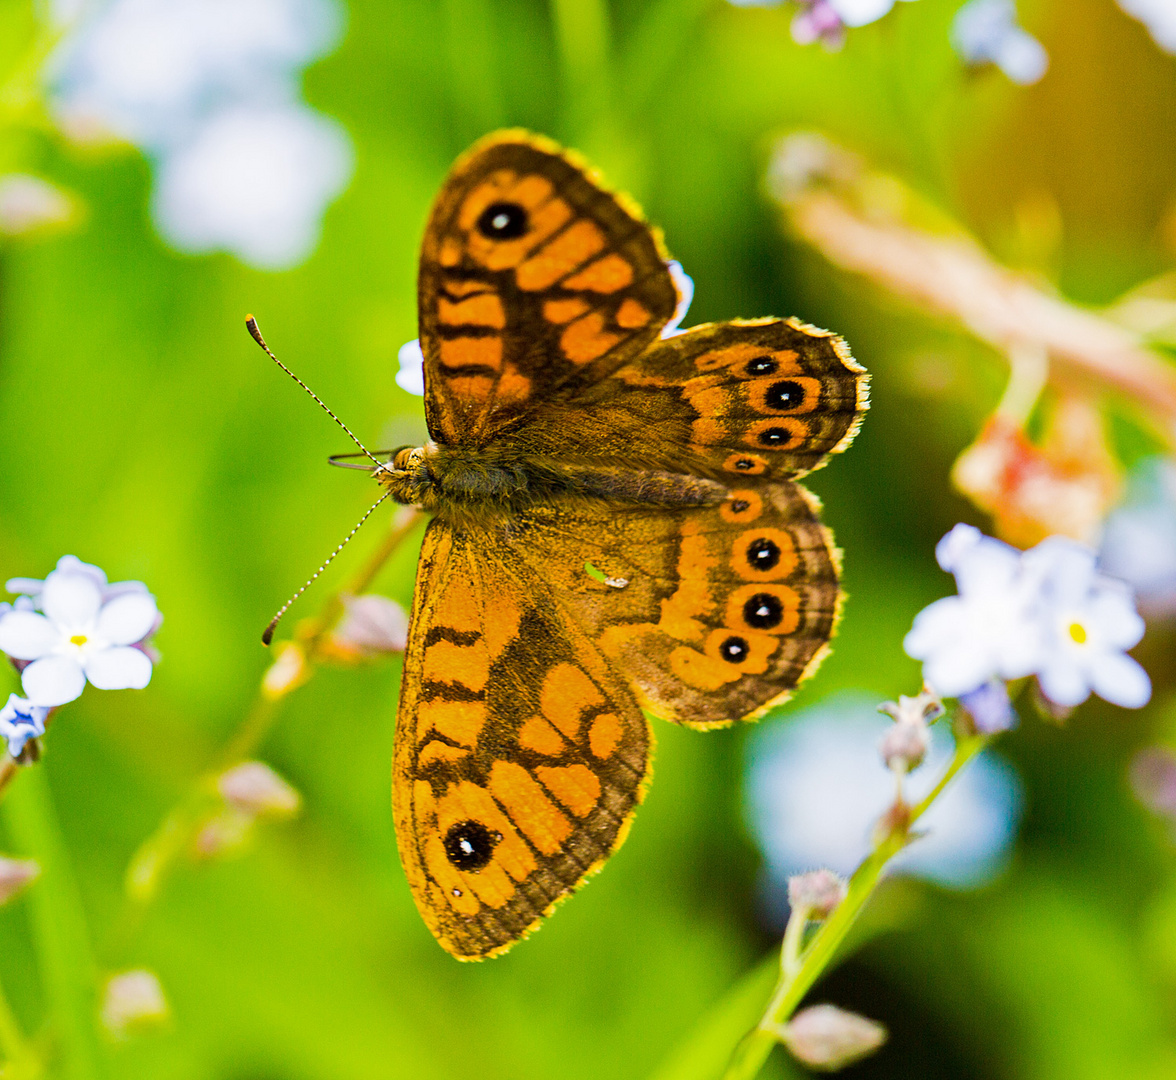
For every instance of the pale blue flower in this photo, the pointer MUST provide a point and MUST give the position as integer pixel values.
(986, 32)
(21, 720)
(816, 787)
(1159, 16)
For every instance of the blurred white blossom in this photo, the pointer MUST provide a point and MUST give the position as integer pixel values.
(210, 91)
(986, 32)
(15, 875)
(21, 720)
(75, 627)
(1047, 612)
(1159, 16)
(253, 787)
(371, 624)
(817, 787)
(1139, 538)
(254, 181)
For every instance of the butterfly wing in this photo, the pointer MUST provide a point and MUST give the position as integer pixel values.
(520, 755)
(534, 281)
(714, 613)
(747, 402)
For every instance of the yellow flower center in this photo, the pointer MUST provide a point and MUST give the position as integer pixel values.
(1078, 633)
(78, 639)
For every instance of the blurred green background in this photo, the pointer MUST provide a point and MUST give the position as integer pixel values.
(145, 432)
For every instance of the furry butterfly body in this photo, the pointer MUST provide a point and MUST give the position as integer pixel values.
(617, 531)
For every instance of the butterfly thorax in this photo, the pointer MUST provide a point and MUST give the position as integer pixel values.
(491, 481)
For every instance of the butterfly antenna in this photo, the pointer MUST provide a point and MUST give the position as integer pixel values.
(251, 326)
(268, 635)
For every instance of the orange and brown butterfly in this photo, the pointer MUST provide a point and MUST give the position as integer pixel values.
(617, 532)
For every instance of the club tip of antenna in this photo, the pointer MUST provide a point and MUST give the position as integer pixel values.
(251, 326)
(268, 634)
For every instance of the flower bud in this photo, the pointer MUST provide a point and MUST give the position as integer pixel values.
(28, 204)
(1153, 779)
(225, 833)
(818, 892)
(905, 745)
(15, 874)
(288, 671)
(133, 1000)
(828, 1038)
(924, 707)
(254, 788)
(372, 624)
(989, 708)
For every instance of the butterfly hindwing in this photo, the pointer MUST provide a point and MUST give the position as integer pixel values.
(533, 279)
(520, 755)
(713, 613)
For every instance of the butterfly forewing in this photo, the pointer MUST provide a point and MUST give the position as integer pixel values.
(520, 755)
(533, 280)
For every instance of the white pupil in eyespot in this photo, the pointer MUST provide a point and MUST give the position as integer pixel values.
(500, 221)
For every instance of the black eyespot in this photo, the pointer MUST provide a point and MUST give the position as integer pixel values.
(743, 464)
(502, 221)
(739, 505)
(763, 611)
(469, 845)
(773, 436)
(761, 365)
(763, 554)
(784, 395)
(733, 650)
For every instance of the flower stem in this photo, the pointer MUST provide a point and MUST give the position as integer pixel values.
(155, 857)
(796, 979)
(59, 928)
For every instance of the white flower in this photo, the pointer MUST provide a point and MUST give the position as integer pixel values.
(411, 376)
(21, 720)
(1159, 16)
(209, 89)
(1089, 622)
(254, 181)
(85, 630)
(988, 629)
(1139, 538)
(151, 70)
(816, 788)
(684, 283)
(133, 1000)
(986, 32)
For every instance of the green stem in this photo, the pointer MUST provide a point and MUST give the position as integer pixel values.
(20, 1063)
(753, 1051)
(60, 936)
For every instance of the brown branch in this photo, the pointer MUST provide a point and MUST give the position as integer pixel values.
(827, 195)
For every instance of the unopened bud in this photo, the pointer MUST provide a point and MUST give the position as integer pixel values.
(287, 672)
(827, 1038)
(818, 892)
(905, 745)
(372, 624)
(28, 203)
(223, 834)
(15, 874)
(254, 788)
(923, 708)
(989, 708)
(133, 1000)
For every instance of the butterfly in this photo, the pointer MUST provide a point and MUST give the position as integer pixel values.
(616, 533)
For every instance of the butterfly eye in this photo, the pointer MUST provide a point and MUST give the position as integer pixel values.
(784, 395)
(763, 554)
(502, 221)
(761, 365)
(763, 611)
(469, 845)
(734, 650)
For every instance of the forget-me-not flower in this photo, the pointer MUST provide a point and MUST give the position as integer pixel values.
(21, 720)
(75, 627)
